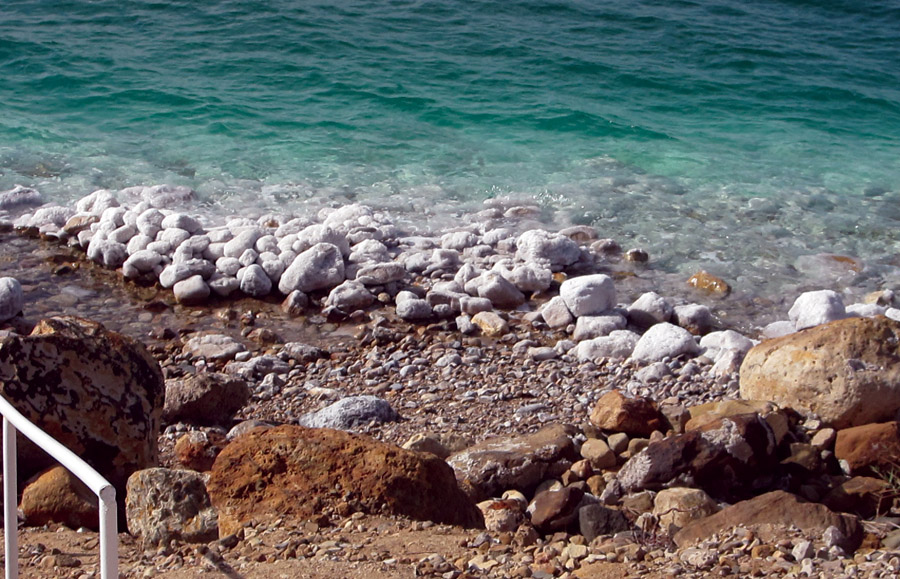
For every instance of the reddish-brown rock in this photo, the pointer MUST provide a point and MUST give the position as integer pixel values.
(635, 416)
(197, 450)
(773, 512)
(556, 510)
(869, 446)
(863, 496)
(305, 472)
(58, 496)
(97, 392)
(847, 371)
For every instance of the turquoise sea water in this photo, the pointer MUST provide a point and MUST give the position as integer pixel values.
(742, 137)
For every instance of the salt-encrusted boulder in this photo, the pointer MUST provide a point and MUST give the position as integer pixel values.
(588, 294)
(141, 262)
(380, 273)
(662, 341)
(223, 285)
(213, 347)
(164, 505)
(177, 272)
(411, 308)
(588, 327)
(369, 250)
(614, 412)
(519, 462)
(318, 268)
(539, 246)
(242, 241)
(98, 392)
(58, 496)
(501, 292)
(321, 233)
(726, 349)
(97, 202)
(350, 413)
(349, 296)
(695, 318)
(18, 196)
(846, 372)
(107, 253)
(207, 398)
(11, 298)
(818, 307)
(181, 221)
(255, 282)
(649, 309)
(618, 344)
(531, 278)
(472, 306)
(149, 222)
(458, 240)
(291, 471)
(556, 313)
(191, 291)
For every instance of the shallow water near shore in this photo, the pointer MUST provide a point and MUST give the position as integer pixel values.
(745, 140)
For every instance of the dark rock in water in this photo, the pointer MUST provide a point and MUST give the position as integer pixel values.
(291, 471)
(521, 462)
(98, 392)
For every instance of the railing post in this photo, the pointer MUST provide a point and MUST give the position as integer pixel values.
(109, 538)
(10, 501)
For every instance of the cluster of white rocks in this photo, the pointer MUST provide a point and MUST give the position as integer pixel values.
(820, 307)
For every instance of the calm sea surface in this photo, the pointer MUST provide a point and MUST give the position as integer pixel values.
(743, 137)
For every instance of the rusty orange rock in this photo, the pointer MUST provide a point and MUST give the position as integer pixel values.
(707, 282)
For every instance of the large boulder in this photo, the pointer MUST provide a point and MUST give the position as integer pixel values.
(97, 392)
(588, 295)
(164, 505)
(318, 268)
(58, 496)
(292, 471)
(208, 398)
(664, 340)
(496, 465)
(554, 249)
(847, 371)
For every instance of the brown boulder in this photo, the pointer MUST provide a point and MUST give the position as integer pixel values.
(555, 510)
(208, 398)
(197, 450)
(868, 447)
(771, 513)
(496, 465)
(634, 416)
(304, 472)
(863, 496)
(97, 392)
(847, 371)
(57, 496)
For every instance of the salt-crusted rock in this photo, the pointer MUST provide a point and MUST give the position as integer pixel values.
(290, 471)
(518, 462)
(380, 273)
(242, 241)
(58, 496)
(818, 307)
(846, 371)
(18, 196)
(98, 392)
(678, 506)
(588, 327)
(319, 267)
(458, 240)
(164, 505)
(414, 309)
(634, 416)
(177, 272)
(122, 234)
(149, 222)
(207, 398)
(531, 278)
(368, 250)
(347, 217)
(472, 306)
(223, 285)
(228, 265)
(349, 296)
(181, 221)
(173, 236)
(213, 347)
(11, 298)
(502, 293)
(258, 367)
(556, 314)
(254, 281)
(618, 344)
(770, 512)
(160, 196)
(44, 216)
(107, 253)
(649, 309)
(490, 324)
(588, 294)
(777, 329)
(97, 202)
(321, 233)
(350, 413)
(695, 318)
(141, 262)
(191, 291)
(869, 448)
(717, 344)
(664, 340)
(865, 310)
(544, 247)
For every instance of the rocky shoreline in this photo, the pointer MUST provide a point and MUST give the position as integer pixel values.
(595, 436)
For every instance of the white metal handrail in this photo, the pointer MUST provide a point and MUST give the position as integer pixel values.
(109, 538)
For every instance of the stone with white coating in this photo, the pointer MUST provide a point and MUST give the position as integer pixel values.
(588, 294)
(177, 272)
(695, 318)
(531, 278)
(11, 298)
(414, 309)
(319, 267)
(554, 249)
(150, 222)
(380, 273)
(321, 233)
(664, 340)
(502, 293)
(213, 347)
(107, 253)
(181, 221)
(255, 282)
(349, 296)
(588, 327)
(191, 291)
(350, 413)
(619, 344)
(651, 308)
(817, 307)
(242, 241)
(556, 313)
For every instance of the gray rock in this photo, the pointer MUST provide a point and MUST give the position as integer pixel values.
(414, 309)
(207, 398)
(295, 303)
(865, 310)
(588, 294)
(302, 353)
(191, 291)
(695, 318)
(380, 273)
(213, 347)
(177, 272)
(254, 282)
(778, 329)
(556, 313)
(349, 296)
(11, 298)
(595, 520)
(618, 344)
(649, 309)
(258, 367)
(664, 340)
(588, 327)
(502, 293)
(350, 413)
(538, 246)
(472, 306)
(228, 265)
(163, 506)
(818, 307)
(319, 267)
